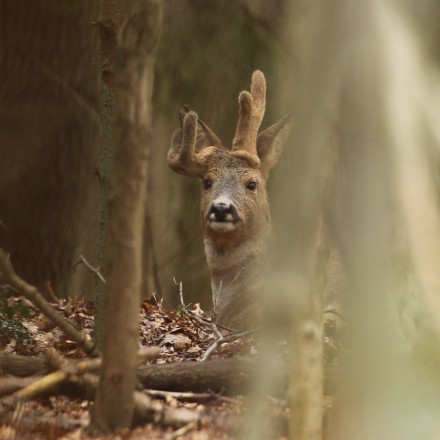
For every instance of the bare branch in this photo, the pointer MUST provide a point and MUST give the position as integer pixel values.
(95, 270)
(8, 275)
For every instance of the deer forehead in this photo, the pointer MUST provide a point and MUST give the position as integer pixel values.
(225, 165)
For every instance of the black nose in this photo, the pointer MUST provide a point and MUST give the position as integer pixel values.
(220, 211)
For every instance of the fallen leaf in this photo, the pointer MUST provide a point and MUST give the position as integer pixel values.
(177, 340)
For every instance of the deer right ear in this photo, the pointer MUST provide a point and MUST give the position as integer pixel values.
(270, 143)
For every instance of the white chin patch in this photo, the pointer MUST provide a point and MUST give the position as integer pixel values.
(222, 226)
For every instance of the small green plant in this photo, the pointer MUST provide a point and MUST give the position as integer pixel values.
(11, 314)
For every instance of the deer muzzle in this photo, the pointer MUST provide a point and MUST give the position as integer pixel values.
(222, 216)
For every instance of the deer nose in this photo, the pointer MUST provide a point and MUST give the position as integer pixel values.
(221, 212)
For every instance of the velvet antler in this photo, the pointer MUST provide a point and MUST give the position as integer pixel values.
(191, 145)
(251, 113)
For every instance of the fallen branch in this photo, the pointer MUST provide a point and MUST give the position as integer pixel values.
(8, 275)
(68, 372)
(41, 386)
(49, 382)
(82, 383)
(9, 385)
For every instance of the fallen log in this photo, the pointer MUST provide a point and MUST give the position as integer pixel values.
(22, 366)
(227, 376)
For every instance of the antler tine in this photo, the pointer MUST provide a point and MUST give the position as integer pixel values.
(241, 138)
(258, 91)
(181, 157)
(251, 112)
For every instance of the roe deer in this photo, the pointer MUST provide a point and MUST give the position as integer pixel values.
(234, 207)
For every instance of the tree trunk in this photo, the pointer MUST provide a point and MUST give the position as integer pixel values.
(133, 89)
(111, 16)
(48, 138)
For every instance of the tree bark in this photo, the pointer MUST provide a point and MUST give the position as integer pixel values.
(110, 20)
(114, 402)
(48, 139)
(22, 365)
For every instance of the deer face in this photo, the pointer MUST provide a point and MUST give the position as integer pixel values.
(234, 203)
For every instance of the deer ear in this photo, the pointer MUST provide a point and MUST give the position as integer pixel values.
(206, 136)
(270, 143)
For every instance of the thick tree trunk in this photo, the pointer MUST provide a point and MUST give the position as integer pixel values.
(133, 89)
(48, 138)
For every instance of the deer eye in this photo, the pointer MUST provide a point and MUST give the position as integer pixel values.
(207, 183)
(252, 186)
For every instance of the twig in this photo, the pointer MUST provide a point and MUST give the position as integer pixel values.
(224, 340)
(183, 396)
(50, 291)
(190, 396)
(95, 270)
(7, 273)
(204, 322)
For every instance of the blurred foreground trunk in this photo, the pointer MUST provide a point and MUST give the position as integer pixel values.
(135, 62)
(391, 240)
(292, 296)
(358, 181)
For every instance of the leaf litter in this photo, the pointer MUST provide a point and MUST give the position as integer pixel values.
(179, 339)
(177, 336)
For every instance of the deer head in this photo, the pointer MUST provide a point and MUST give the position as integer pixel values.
(234, 207)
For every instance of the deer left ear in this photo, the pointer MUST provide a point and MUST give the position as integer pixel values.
(270, 143)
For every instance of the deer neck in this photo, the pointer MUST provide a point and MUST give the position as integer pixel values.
(235, 275)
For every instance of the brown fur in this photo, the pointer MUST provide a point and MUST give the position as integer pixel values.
(236, 248)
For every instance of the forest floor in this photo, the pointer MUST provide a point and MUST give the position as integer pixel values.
(25, 331)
